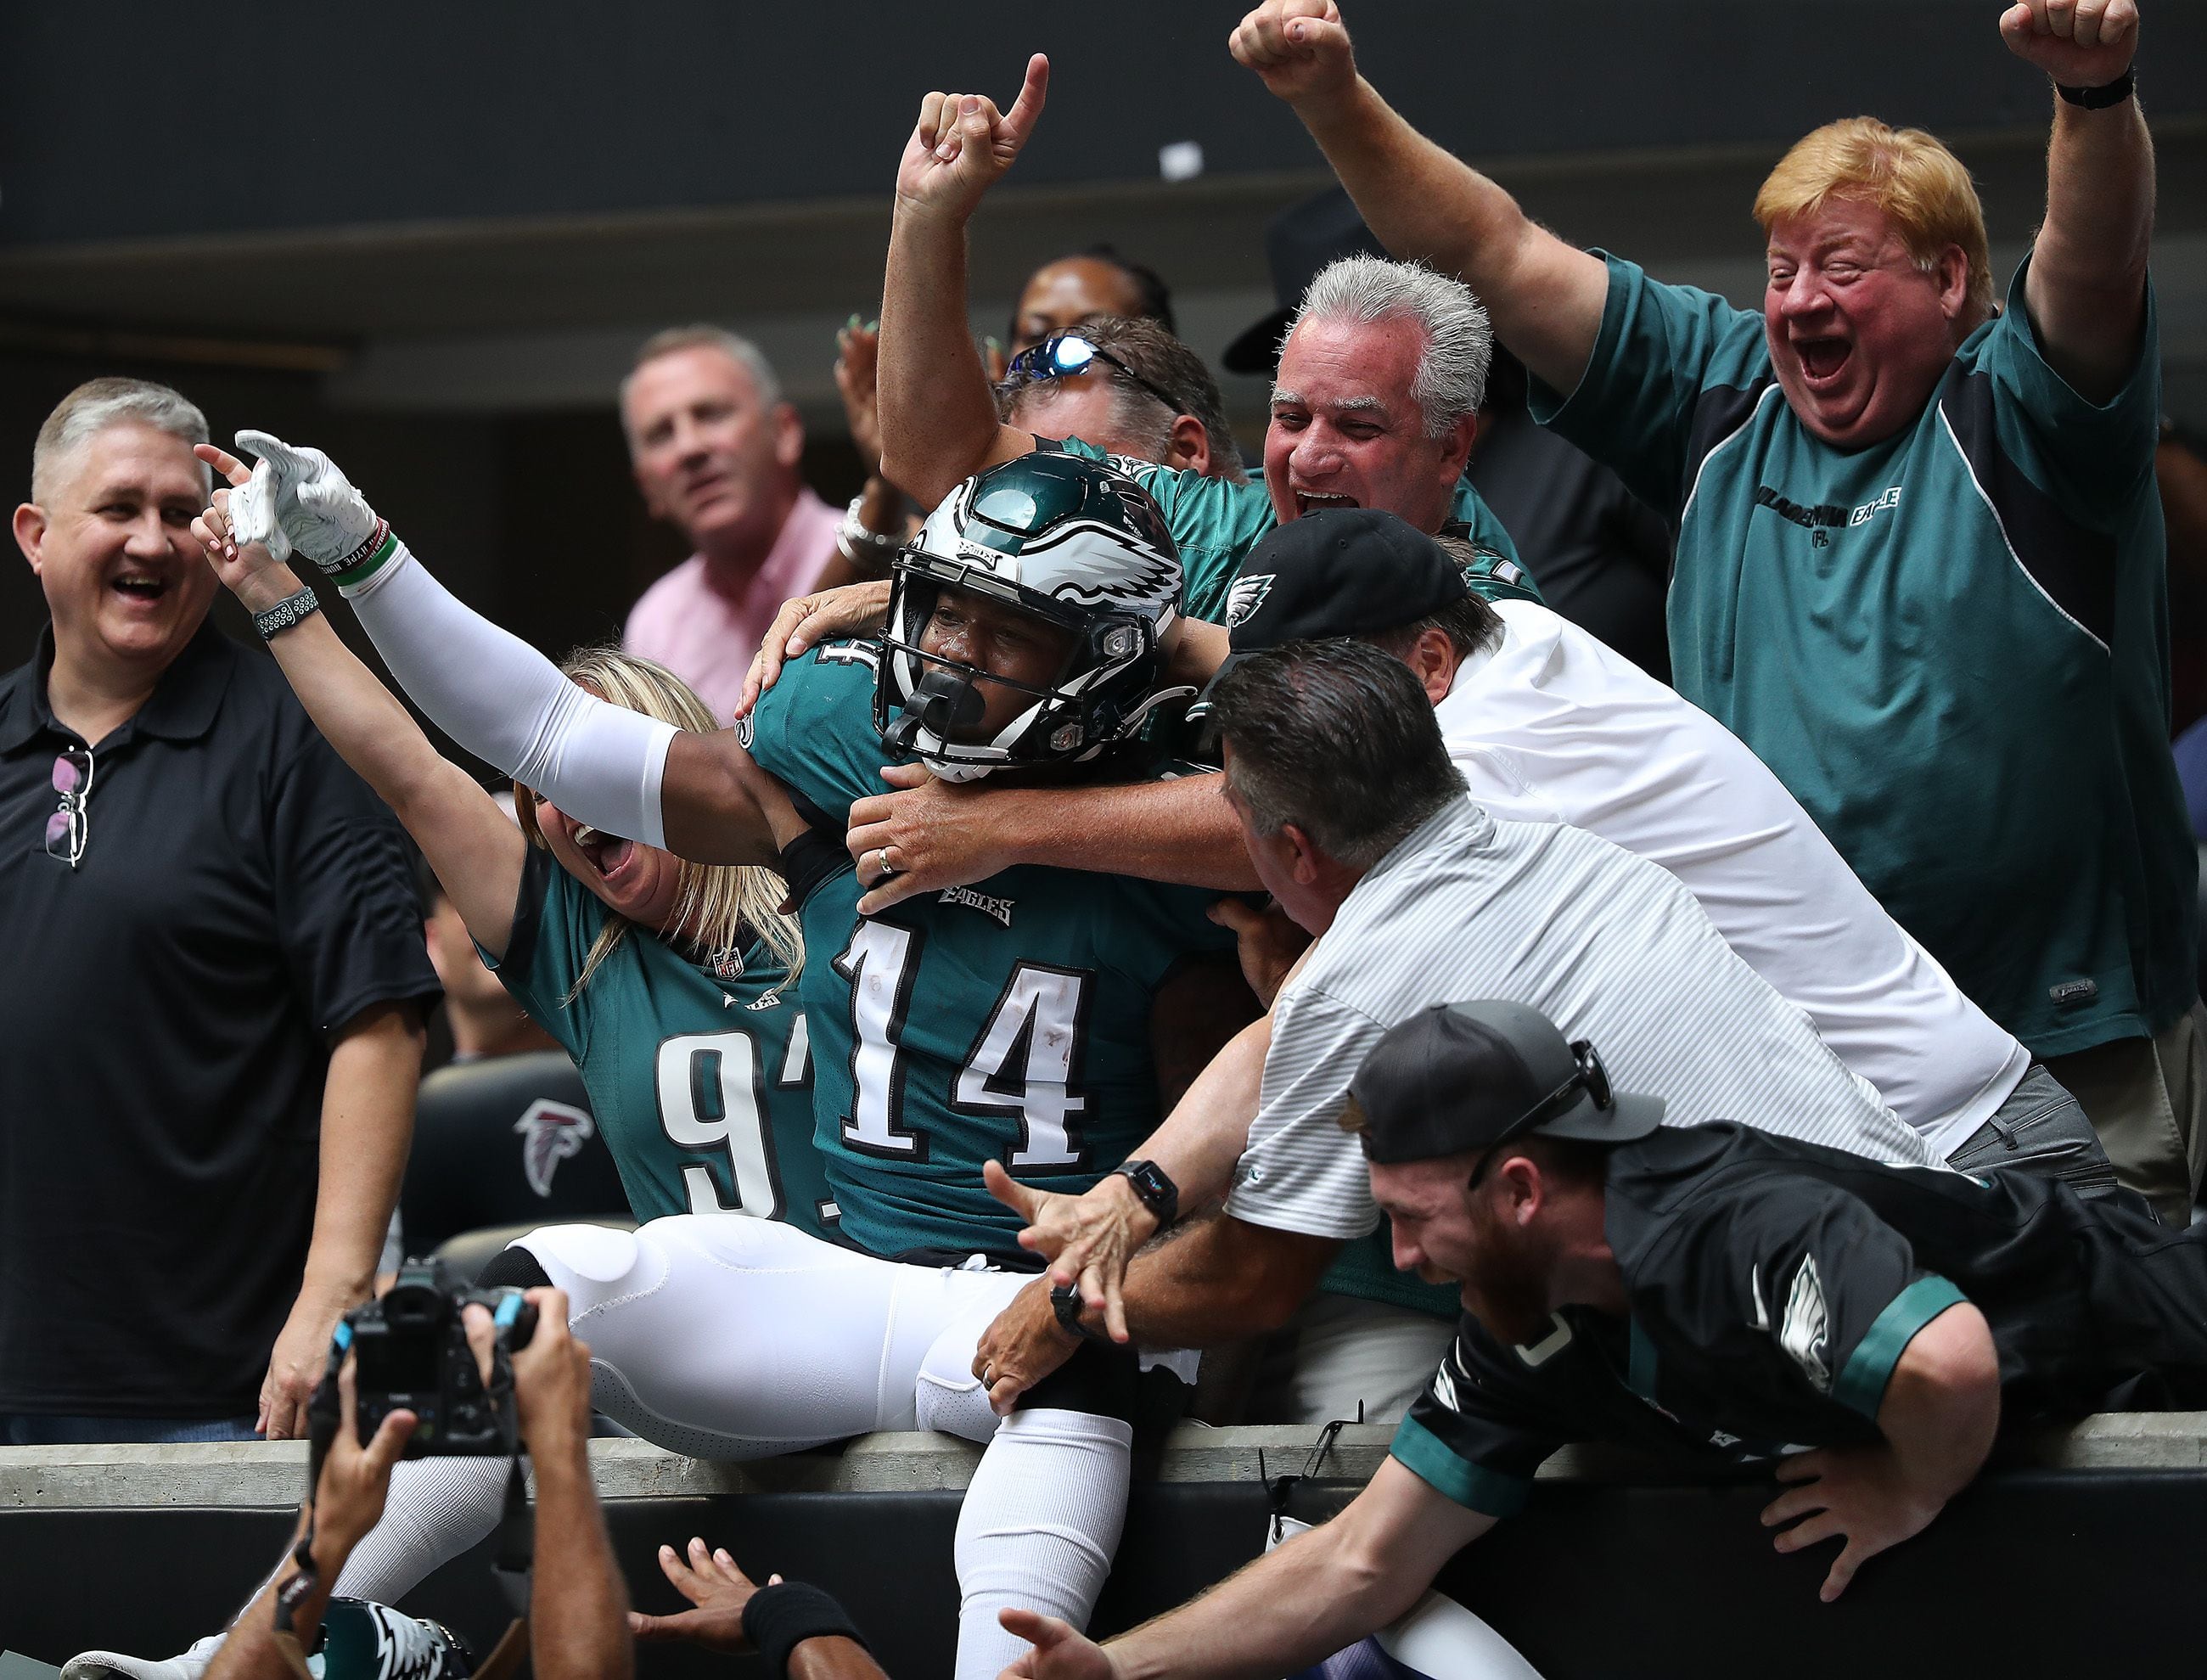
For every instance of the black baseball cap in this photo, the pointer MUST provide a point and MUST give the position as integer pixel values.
(1465, 1076)
(1340, 571)
(1299, 242)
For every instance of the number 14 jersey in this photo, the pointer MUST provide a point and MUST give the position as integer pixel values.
(1010, 1020)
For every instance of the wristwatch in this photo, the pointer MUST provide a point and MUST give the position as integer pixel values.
(1065, 1302)
(1157, 1192)
(2101, 97)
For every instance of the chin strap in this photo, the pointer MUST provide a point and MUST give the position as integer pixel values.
(945, 701)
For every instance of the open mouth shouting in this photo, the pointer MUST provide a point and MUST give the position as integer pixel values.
(1822, 359)
(1317, 501)
(614, 859)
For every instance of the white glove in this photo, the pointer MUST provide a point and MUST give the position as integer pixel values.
(298, 499)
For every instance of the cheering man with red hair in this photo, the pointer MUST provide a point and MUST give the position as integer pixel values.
(1920, 557)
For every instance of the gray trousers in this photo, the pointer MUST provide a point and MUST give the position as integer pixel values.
(2043, 1130)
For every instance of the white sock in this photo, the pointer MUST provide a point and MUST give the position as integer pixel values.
(1038, 1528)
(438, 1508)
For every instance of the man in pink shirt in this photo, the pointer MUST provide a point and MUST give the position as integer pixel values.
(715, 452)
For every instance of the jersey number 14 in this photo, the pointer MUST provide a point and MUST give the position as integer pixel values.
(1022, 1063)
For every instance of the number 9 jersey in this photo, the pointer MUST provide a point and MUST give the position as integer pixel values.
(699, 1081)
(1010, 1020)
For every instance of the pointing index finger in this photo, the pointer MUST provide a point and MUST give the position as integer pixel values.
(225, 462)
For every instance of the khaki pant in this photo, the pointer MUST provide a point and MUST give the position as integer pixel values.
(2144, 1098)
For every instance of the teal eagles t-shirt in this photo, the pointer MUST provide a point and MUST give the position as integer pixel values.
(1951, 646)
(699, 1081)
(1216, 524)
(1009, 1020)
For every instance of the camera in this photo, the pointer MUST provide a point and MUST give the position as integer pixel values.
(413, 1354)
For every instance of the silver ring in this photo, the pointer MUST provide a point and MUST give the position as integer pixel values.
(882, 860)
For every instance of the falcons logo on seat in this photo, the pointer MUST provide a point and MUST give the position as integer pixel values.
(550, 1132)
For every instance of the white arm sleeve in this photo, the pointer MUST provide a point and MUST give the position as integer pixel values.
(506, 703)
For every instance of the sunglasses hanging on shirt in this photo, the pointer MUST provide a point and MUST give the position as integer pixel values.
(69, 827)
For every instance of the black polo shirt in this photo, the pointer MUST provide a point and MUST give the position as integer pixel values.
(168, 1007)
(1772, 1286)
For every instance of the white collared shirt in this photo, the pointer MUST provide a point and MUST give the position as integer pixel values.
(1554, 726)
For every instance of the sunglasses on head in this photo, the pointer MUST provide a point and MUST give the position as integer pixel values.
(1067, 355)
(69, 827)
(1590, 1077)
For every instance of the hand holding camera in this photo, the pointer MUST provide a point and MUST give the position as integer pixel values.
(416, 1353)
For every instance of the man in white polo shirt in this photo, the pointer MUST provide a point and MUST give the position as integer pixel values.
(1361, 828)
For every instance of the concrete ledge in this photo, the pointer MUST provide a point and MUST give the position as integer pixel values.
(268, 1475)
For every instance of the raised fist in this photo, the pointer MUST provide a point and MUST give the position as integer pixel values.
(962, 144)
(1299, 47)
(2078, 43)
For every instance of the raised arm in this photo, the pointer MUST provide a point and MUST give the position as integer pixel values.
(2087, 288)
(472, 844)
(938, 415)
(1293, 1607)
(1544, 296)
(618, 770)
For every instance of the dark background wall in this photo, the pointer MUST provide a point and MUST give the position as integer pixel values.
(428, 238)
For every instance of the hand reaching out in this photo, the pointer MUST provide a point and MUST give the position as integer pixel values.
(1022, 1345)
(1089, 1240)
(825, 615)
(1859, 1494)
(2078, 43)
(929, 835)
(719, 1590)
(1061, 1652)
(963, 144)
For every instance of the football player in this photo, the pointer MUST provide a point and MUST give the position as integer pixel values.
(1041, 1020)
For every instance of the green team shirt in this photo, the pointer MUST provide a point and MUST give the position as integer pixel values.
(699, 1081)
(1010, 1020)
(1216, 524)
(1951, 646)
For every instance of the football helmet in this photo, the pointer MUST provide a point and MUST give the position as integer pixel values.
(1071, 542)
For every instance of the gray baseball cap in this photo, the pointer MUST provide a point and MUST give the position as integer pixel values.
(1465, 1076)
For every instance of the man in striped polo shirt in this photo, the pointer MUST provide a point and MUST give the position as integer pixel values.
(1359, 826)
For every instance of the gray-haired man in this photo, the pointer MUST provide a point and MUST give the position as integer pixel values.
(216, 973)
(715, 452)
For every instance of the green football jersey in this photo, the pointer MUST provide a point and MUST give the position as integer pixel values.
(699, 1081)
(1951, 645)
(1009, 1020)
(1216, 524)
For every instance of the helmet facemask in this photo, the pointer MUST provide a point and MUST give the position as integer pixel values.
(1098, 696)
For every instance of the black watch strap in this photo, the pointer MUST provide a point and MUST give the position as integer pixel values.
(2099, 98)
(1157, 1191)
(1065, 1302)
